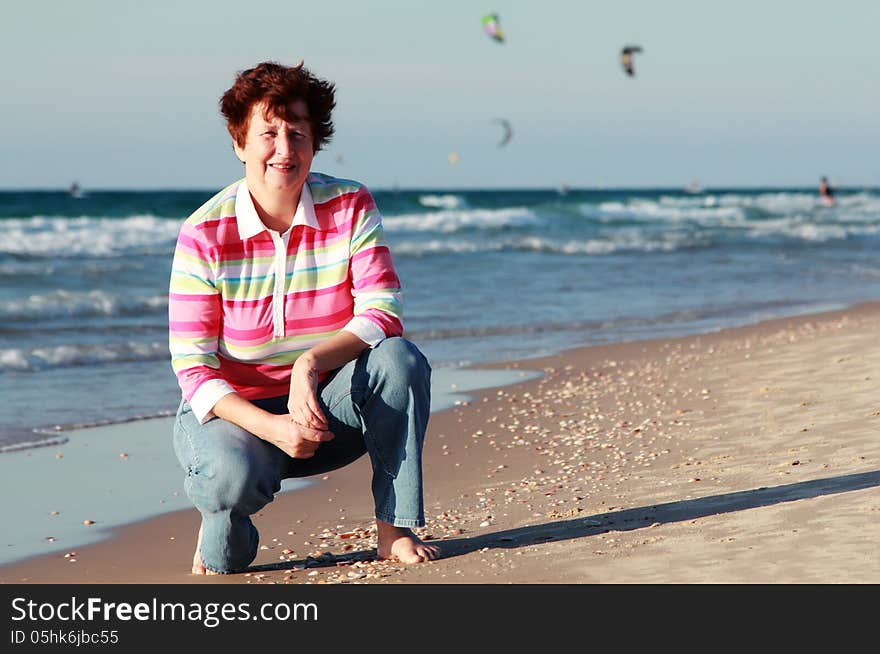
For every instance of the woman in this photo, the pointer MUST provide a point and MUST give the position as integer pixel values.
(285, 332)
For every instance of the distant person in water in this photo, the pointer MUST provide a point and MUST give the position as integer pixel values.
(826, 192)
(285, 332)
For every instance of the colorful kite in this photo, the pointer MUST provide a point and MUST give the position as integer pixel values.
(492, 27)
(626, 58)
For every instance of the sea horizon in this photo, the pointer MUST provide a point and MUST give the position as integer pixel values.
(671, 188)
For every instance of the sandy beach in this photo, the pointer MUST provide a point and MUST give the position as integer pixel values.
(748, 455)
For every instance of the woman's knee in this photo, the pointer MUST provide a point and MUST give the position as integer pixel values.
(399, 360)
(234, 480)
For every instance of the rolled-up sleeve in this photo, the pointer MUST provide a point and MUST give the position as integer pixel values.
(194, 322)
(378, 311)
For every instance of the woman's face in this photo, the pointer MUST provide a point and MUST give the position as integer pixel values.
(277, 154)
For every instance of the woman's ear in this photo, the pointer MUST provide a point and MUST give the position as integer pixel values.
(239, 152)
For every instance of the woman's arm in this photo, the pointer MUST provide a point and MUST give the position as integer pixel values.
(375, 286)
(298, 441)
(328, 355)
(194, 316)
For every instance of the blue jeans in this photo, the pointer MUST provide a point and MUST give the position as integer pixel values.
(377, 404)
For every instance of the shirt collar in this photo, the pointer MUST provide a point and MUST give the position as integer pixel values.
(249, 223)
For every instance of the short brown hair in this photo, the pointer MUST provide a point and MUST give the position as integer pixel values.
(278, 86)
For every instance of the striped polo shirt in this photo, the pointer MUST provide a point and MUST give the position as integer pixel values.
(245, 301)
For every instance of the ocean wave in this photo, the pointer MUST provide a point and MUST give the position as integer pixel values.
(781, 202)
(31, 444)
(630, 240)
(865, 272)
(49, 436)
(445, 201)
(57, 236)
(732, 205)
(453, 220)
(66, 304)
(62, 356)
(72, 426)
(653, 212)
(790, 203)
(802, 228)
(774, 203)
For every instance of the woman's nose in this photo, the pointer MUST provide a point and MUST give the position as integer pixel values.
(283, 146)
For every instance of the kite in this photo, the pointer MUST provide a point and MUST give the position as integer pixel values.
(453, 158)
(508, 131)
(626, 58)
(492, 27)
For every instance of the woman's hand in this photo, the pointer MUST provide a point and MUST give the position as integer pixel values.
(302, 401)
(295, 440)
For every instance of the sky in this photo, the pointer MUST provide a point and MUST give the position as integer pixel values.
(124, 94)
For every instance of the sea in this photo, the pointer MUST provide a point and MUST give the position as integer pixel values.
(488, 275)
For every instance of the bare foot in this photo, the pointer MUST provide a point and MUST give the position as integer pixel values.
(198, 568)
(401, 544)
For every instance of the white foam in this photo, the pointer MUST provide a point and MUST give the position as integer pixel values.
(28, 445)
(447, 201)
(617, 241)
(692, 211)
(13, 359)
(444, 246)
(797, 215)
(61, 303)
(788, 203)
(453, 220)
(803, 228)
(42, 358)
(56, 236)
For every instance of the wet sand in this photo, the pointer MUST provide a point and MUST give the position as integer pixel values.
(749, 455)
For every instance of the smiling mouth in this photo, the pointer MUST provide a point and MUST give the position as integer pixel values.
(282, 167)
